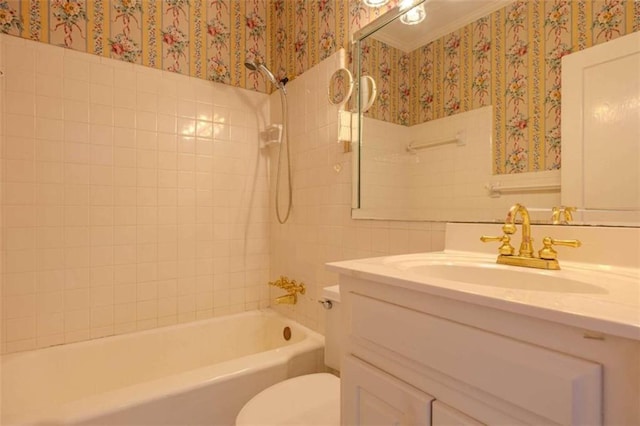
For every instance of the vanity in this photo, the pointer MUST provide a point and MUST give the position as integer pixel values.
(492, 330)
(452, 337)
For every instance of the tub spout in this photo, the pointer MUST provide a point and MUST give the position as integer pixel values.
(287, 299)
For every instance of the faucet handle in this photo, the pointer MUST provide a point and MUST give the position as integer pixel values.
(509, 228)
(547, 252)
(505, 249)
(283, 283)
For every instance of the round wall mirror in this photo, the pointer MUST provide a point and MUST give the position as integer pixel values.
(340, 86)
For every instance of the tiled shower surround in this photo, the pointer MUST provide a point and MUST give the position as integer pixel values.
(132, 198)
(135, 198)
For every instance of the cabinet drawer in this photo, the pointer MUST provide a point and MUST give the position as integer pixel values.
(561, 388)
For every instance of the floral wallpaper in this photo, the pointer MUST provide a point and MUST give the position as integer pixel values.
(209, 39)
(307, 31)
(390, 68)
(510, 59)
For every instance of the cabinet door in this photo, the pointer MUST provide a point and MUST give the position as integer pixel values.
(443, 415)
(371, 397)
(523, 378)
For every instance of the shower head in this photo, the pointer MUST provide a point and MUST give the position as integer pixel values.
(253, 66)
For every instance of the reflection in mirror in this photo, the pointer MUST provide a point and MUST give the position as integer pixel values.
(340, 86)
(368, 91)
(489, 70)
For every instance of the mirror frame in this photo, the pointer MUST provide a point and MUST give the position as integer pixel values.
(356, 41)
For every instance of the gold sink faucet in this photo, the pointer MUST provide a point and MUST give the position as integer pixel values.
(509, 228)
(292, 288)
(547, 256)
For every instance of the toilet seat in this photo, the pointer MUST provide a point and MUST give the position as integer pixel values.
(308, 400)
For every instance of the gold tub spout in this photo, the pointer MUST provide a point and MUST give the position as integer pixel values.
(287, 299)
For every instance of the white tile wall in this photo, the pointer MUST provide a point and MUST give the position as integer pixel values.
(444, 182)
(386, 169)
(132, 198)
(320, 229)
(448, 181)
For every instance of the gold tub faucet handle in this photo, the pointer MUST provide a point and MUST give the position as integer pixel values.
(291, 287)
(283, 282)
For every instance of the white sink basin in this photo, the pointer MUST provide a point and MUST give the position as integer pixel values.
(504, 276)
(597, 288)
(483, 271)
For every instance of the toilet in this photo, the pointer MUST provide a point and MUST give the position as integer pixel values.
(312, 399)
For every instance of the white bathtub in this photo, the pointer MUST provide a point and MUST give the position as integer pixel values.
(191, 374)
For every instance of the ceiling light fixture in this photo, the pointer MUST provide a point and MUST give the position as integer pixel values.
(405, 4)
(375, 3)
(414, 16)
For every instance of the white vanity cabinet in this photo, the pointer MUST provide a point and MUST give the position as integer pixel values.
(443, 415)
(373, 397)
(416, 358)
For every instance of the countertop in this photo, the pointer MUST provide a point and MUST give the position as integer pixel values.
(601, 298)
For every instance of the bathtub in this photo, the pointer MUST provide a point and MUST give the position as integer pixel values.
(192, 374)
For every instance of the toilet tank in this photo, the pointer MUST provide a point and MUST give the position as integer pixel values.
(333, 327)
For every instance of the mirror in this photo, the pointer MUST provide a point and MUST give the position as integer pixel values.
(340, 86)
(485, 141)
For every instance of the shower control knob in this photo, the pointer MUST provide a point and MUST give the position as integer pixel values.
(326, 303)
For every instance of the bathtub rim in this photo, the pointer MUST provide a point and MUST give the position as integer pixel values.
(123, 336)
(140, 393)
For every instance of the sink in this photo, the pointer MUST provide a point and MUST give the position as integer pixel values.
(597, 288)
(500, 276)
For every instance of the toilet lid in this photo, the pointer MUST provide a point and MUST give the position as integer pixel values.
(313, 399)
